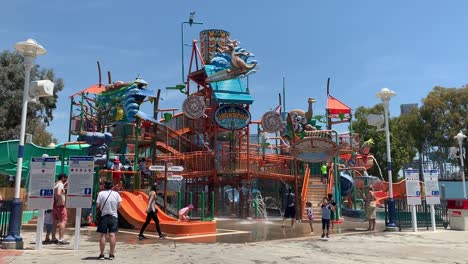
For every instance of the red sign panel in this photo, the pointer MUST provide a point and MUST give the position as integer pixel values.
(456, 214)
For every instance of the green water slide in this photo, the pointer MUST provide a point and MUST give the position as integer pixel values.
(9, 156)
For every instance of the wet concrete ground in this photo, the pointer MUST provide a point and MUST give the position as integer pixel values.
(251, 241)
(235, 231)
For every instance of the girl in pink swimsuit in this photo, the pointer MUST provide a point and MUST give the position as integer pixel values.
(183, 213)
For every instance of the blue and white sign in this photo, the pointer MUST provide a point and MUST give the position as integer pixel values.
(80, 182)
(232, 117)
(41, 183)
(431, 184)
(413, 188)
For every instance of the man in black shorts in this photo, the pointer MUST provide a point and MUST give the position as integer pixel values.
(108, 202)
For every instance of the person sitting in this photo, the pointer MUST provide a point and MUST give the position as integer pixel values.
(183, 213)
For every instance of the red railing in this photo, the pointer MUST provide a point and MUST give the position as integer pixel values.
(305, 187)
(331, 179)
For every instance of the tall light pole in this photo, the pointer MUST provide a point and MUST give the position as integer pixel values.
(29, 49)
(385, 94)
(460, 137)
(190, 22)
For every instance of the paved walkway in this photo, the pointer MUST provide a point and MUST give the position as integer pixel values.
(443, 246)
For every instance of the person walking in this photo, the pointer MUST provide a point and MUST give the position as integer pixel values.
(371, 208)
(151, 214)
(108, 202)
(60, 215)
(290, 211)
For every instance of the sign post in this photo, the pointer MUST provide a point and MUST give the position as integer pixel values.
(413, 194)
(431, 184)
(80, 188)
(168, 168)
(41, 190)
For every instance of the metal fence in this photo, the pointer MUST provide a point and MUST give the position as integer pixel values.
(403, 217)
(5, 212)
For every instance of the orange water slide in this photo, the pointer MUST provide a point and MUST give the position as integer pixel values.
(399, 190)
(133, 210)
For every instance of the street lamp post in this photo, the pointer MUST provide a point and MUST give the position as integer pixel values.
(29, 49)
(190, 22)
(460, 137)
(385, 94)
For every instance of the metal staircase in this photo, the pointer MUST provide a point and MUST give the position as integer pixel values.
(315, 193)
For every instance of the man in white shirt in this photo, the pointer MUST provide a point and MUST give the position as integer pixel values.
(108, 202)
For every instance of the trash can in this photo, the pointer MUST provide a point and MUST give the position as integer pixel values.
(458, 214)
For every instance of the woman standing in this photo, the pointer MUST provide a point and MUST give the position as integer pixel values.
(371, 209)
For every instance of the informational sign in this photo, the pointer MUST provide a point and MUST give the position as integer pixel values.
(80, 182)
(41, 183)
(431, 183)
(175, 177)
(169, 168)
(413, 189)
(156, 168)
(176, 168)
(456, 214)
(232, 117)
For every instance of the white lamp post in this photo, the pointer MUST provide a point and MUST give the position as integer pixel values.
(29, 49)
(385, 94)
(460, 137)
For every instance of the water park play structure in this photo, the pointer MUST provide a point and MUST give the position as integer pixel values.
(221, 160)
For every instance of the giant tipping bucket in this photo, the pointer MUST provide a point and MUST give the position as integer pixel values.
(210, 41)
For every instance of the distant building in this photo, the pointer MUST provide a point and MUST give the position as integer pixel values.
(407, 108)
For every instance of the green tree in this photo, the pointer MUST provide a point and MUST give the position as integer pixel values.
(39, 114)
(443, 114)
(402, 146)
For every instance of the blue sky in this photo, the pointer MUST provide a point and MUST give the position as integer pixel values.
(407, 46)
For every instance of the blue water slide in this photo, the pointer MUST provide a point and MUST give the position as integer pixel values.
(346, 183)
